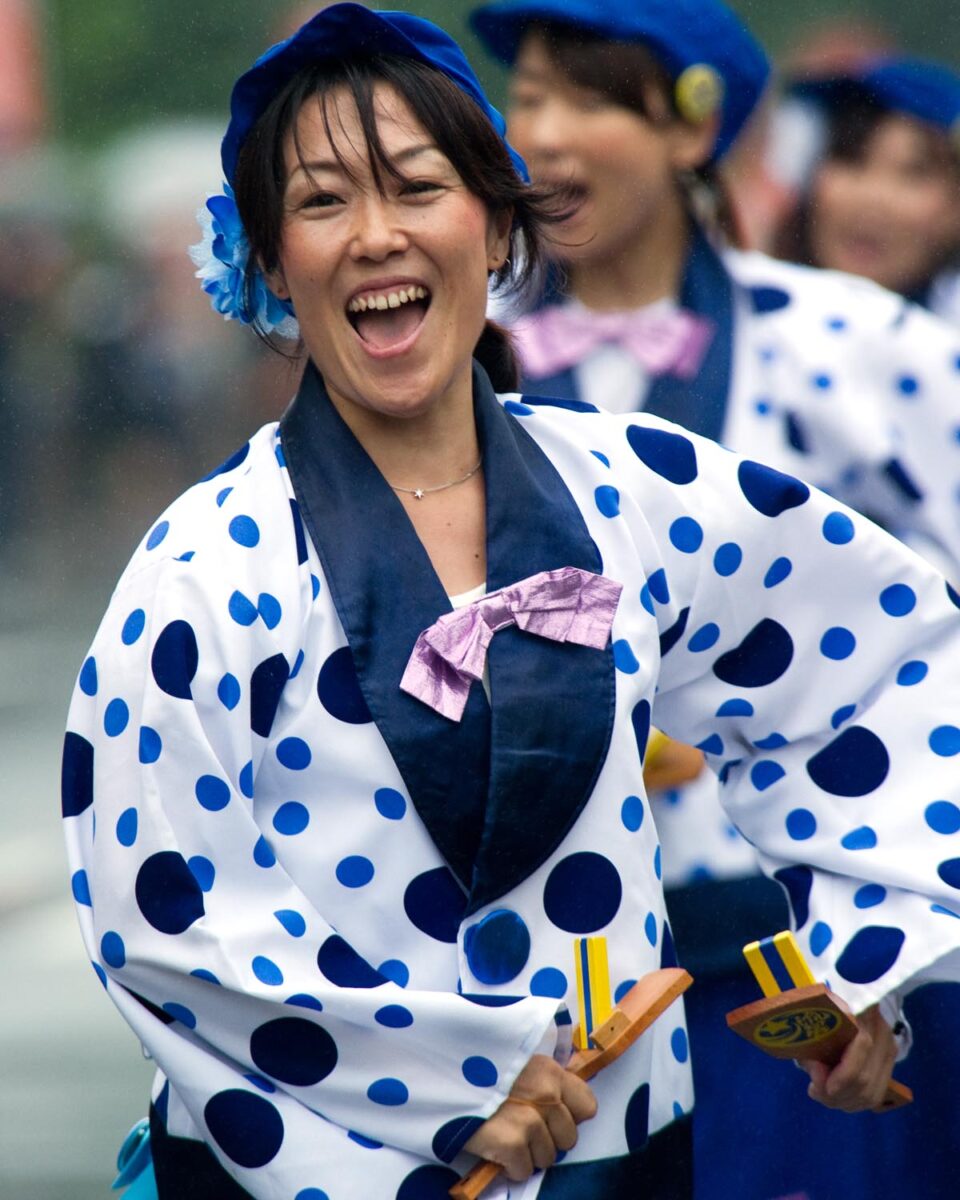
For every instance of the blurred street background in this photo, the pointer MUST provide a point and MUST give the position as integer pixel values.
(119, 387)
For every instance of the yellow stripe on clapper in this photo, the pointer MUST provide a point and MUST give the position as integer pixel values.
(593, 986)
(776, 962)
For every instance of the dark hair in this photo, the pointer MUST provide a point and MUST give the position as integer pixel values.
(627, 73)
(462, 132)
(850, 128)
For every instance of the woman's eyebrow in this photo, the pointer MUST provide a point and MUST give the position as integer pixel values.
(332, 165)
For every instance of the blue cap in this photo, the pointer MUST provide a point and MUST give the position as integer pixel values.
(914, 87)
(346, 31)
(683, 34)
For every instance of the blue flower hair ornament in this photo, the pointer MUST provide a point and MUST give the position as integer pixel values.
(222, 258)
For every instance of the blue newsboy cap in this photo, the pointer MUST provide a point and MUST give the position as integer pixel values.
(346, 31)
(681, 33)
(915, 87)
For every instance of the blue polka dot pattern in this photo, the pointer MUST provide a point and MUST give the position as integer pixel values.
(181, 1013)
(945, 741)
(235, 459)
(650, 928)
(797, 881)
(735, 708)
(943, 817)
(80, 886)
(706, 636)
(157, 534)
(669, 455)
(636, 1121)
(112, 950)
(777, 572)
(303, 1000)
(582, 893)
(870, 895)
(842, 715)
(838, 529)
(854, 764)
(133, 626)
(602, 457)
(212, 793)
(837, 643)
(203, 871)
(87, 680)
(293, 1050)
(355, 871)
(269, 610)
(430, 1182)
(912, 673)
(898, 600)
(167, 893)
(389, 1092)
(640, 718)
(291, 818)
(242, 610)
(394, 1016)
(263, 854)
(244, 531)
(396, 971)
(292, 921)
(174, 660)
(770, 492)
(343, 966)
(127, 827)
(245, 781)
(115, 718)
(727, 559)
(434, 902)
(607, 500)
(659, 588)
(294, 754)
(479, 1071)
(623, 658)
(247, 1128)
(686, 535)
(497, 947)
(311, 1194)
(517, 409)
(908, 385)
(801, 824)
(949, 872)
(390, 804)
(549, 981)
(339, 689)
(870, 953)
(150, 745)
(228, 691)
(267, 682)
(821, 935)
(267, 971)
(861, 838)
(679, 1046)
(765, 773)
(631, 813)
(762, 657)
(206, 976)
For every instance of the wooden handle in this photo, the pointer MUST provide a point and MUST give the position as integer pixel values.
(636, 1012)
(806, 1023)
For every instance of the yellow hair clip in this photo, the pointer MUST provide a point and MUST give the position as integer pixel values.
(698, 93)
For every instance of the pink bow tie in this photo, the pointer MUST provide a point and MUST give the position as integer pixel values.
(568, 605)
(560, 336)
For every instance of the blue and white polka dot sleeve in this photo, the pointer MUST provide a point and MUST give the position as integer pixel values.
(815, 662)
(267, 1022)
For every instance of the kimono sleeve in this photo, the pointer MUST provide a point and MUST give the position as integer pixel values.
(245, 995)
(816, 662)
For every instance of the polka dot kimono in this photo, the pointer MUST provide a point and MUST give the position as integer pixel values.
(256, 861)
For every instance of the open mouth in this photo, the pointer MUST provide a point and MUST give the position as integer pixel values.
(388, 319)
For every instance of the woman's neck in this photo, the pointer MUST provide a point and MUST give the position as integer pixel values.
(646, 268)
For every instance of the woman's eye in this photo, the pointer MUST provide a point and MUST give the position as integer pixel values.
(419, 187)
(321, 200)
(525, 98)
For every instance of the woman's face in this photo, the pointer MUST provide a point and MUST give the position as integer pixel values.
(389, 289)
(893, 214)
(621, 165)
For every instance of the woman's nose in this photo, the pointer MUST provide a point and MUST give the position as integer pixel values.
(378, 229)
(543, 133)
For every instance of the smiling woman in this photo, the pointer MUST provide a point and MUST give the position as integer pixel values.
(346, 765)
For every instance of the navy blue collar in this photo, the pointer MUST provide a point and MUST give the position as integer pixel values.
(699, 404)
(499, 791)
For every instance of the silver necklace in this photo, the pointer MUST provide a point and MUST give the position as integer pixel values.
(419, 493)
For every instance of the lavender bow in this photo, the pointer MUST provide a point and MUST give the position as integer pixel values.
(562, 335)
(568, 605)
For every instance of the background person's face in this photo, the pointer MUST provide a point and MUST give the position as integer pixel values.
(892, 214)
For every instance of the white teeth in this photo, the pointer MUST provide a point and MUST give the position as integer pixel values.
(382, 302)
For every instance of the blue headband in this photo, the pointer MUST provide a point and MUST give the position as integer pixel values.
(341, 32)
(911, 86)
(695, 40)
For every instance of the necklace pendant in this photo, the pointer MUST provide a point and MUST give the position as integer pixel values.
(418, 494)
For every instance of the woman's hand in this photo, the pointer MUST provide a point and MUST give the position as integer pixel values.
(538, 1118)
(859, 1080)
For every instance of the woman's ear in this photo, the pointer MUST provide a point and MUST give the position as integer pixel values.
(277, 283)
(498, 238)
(692, 145)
